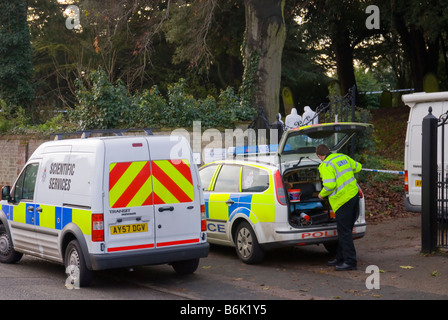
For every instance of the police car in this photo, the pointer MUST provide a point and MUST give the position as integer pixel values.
(103, 203)
(272, 200)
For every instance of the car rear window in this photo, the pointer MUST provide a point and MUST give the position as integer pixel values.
(254, 179)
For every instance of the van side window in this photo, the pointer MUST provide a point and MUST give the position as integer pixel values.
(206, 176)
(24, 188)
(228, 179)
(254, 180)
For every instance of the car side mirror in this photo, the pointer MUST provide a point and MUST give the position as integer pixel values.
(6, 193)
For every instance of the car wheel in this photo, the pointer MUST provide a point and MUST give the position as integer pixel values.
(7, 252)
(246, 243)
(75, 266)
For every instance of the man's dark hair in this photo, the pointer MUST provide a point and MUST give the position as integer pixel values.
(322, 150)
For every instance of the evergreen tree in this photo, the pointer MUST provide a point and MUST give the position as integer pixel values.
(16, 69)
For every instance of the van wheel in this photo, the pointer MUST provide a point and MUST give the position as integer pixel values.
(75, 266)
(246, 244)
(7, 252)
(185, 267)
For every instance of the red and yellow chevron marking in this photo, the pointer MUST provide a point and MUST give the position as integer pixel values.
(172, 181)
(130, 183)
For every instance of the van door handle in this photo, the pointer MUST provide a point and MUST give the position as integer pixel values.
(170, 208)
(230, 202)
(30, 209)
(39, 209)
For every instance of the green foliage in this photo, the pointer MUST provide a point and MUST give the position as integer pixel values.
(247, 89)
(16, 69)
(102, 106)
(106, 105)
(19, 123)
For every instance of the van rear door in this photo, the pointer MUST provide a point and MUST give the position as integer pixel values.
(128, 209)
(177, 203)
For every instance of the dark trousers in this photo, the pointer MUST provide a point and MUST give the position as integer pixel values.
(346, 217)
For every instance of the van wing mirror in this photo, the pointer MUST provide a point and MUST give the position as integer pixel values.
(6, 193)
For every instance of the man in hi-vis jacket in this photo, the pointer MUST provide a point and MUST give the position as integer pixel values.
(340, 186)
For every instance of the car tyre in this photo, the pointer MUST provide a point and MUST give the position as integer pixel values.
(7, 252)
(246, 244)
(75, 266)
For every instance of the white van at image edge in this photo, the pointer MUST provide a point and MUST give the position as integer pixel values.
(110, 202)
(419, 104)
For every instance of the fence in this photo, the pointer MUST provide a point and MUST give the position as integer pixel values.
(434, 184)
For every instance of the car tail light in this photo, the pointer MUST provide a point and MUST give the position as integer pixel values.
(406, 181)
(279, 188)
(203, 219)
(97, 227)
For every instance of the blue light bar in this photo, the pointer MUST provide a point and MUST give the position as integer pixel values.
(261, 149)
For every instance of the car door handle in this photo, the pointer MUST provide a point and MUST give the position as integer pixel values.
(170, 208)
(230, 202)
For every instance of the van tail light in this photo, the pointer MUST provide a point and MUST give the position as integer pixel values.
(406, 181)
(203, 219)
(279, 188)
(97, 227)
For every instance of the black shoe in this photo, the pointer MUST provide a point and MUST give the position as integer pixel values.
(333, 262)
(345, 267)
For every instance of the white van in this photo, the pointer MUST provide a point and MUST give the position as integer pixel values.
(103, 203)
(419, 104)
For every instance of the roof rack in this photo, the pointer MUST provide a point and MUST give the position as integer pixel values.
(86, 133)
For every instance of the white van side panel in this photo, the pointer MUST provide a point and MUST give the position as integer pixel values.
(67, 186)
(86, 191)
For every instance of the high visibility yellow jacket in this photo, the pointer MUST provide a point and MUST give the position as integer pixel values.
(338, 179)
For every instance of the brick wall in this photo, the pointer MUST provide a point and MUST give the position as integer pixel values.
(14, 152)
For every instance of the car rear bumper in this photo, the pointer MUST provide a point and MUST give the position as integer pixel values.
(148, 256)
(311, 235)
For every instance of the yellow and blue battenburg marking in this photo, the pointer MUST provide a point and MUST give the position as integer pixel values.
(51, 217)
(257, 207)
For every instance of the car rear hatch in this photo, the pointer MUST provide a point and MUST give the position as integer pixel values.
(300, 143)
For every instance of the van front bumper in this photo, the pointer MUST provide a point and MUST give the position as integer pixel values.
(148, 256)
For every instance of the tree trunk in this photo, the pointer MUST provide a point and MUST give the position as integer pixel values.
(344, 61)
(265, 37)
(423, 53)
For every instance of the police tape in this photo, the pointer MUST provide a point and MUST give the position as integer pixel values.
(384, 171)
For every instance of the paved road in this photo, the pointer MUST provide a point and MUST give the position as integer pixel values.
(290, 273)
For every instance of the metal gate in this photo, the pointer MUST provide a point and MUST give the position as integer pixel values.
(442, 186)
(434, 183)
